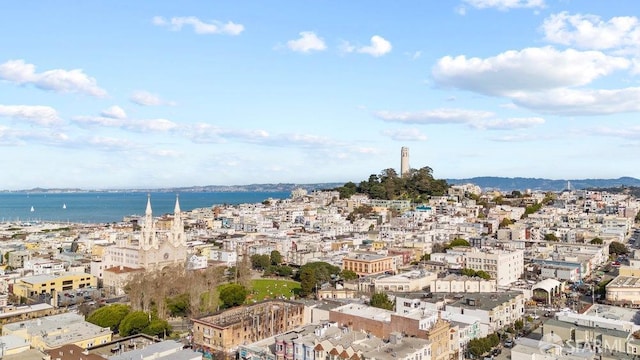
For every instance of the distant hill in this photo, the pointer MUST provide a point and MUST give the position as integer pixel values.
(281, 187)
(520, 183)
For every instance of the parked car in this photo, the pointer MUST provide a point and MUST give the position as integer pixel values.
(508, 343)
(496, 352)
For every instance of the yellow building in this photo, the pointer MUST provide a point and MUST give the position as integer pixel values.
(44, 284)
(53, 331)
(365, 264)
(439, 337)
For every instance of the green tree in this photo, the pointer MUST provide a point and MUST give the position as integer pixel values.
(348, 275)
(276, 257)
(157, 327)
(505, 223)
(315, 273)
(596, 241)
(360, 212)
(551, 237)
(519, 324)
(347, 190)
(483, 274)
(308, 280)
(618, 248)
(284, 271)
(178, 305)
(458, 242)
(260, 262)
(232, 295)
(109, 316)
(493, 339)
(468, 272)
(637, 219)
(381, 300)
(134, 323)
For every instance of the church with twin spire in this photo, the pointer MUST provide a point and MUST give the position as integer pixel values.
(158, 243)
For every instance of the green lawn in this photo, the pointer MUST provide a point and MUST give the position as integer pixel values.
(270, 289)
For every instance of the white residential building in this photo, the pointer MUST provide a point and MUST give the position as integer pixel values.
(505, 266)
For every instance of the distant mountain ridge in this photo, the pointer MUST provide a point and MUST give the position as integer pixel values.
(485, 182)
(521, 183)
(280, 187)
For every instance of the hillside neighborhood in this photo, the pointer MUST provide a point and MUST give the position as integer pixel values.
(467, 274)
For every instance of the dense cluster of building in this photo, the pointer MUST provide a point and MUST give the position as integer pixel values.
(400, 249)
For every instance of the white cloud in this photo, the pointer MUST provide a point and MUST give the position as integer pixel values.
(114, 112)
(505, 4)
(591, 32)
(58, 80)
(483, 120)
(110, 144)
(137, 125)
(582, 102)
(150, 125)
(379, 46)
(166, 153)
(630, 133)
(35, 114)
(507, 124)
(207, 133)
(146, 98)
(531, 69)
(307, 43)
(517, 138)
(98, 121)
(436, 116)
(199, 26)
(411, 134)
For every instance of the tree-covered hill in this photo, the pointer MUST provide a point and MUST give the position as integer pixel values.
(417, 185)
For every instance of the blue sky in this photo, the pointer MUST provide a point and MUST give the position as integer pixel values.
(118, 94)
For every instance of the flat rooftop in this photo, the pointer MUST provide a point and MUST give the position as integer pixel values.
(365, 311)
(614, 313)
(625, 281)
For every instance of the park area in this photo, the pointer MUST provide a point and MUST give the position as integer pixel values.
(272, 289)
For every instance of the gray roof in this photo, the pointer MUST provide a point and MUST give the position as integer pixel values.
(168, 349)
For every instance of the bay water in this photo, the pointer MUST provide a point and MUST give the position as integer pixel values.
(108, 207)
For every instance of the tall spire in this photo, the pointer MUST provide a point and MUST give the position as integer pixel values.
(176, 210)
(148, 211)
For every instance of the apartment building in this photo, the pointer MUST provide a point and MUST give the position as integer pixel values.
(54, 331)
(505, 266)
(367, 264)
(226, 330)
(494, 310)
(30, 286)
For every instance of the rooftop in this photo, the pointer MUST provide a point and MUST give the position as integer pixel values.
(366, 311)
(625, 281)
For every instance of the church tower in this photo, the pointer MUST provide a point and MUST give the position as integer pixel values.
(177, 226)
(148, 228)
(404, 161)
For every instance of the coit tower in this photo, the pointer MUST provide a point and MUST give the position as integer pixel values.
(404, 161)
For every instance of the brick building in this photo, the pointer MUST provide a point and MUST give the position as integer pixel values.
(226, 330)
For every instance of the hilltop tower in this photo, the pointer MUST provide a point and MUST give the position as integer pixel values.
(404, 161)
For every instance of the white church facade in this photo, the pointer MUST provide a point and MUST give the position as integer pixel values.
(158, 243)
